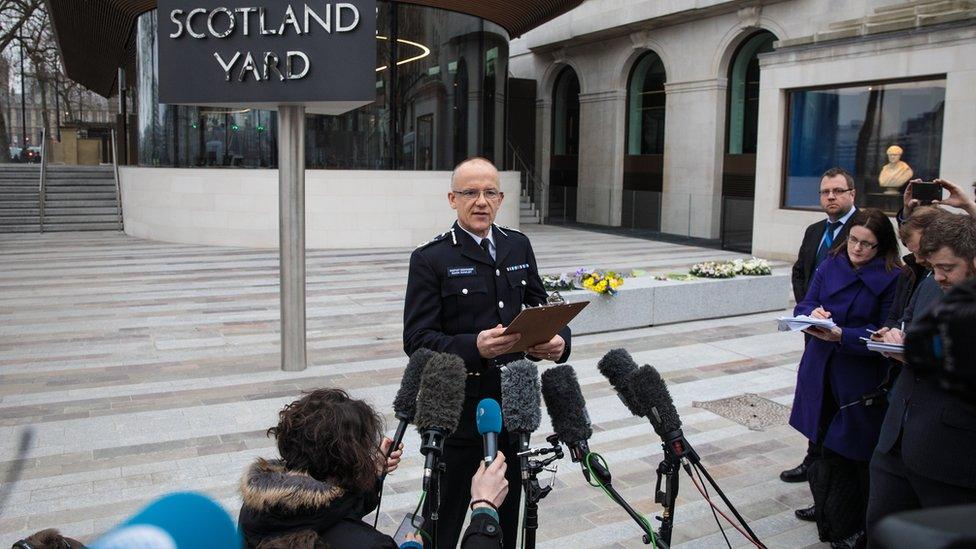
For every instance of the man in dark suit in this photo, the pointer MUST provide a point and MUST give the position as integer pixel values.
(464, 286)
(925, 454)
(837, 195)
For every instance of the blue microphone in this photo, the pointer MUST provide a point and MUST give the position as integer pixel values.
(177, 521)
(489, 420)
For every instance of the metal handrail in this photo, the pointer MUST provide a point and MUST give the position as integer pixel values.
(522, 166)
(118, 185)
(42, 185)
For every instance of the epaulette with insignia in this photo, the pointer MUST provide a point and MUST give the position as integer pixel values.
(503, 228)
(438, 238)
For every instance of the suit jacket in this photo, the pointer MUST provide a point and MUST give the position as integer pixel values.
(455, 290)
(936, 430)
(806, 258)
(858, 301)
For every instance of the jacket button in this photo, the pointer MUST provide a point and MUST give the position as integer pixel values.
(523, 283)
(464, 291)
(498, 272)
(490, 528)
(501, 304)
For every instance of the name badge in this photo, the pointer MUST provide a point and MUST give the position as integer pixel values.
(460, 271)
(517, 267)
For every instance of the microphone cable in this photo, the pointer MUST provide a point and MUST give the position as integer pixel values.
(599, 484)
(423, 533)
(714, 507)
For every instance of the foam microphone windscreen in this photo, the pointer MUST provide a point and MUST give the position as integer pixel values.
(521, 403)
(616, 365)
(405, 401)
(441, 394)
(565, 403)
(651, 395)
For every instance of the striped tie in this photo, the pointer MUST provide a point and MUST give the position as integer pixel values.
(828, 241)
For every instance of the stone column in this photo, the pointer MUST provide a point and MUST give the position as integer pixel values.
(543, 151)
(958, 164)
(601, 157)
(694, 146)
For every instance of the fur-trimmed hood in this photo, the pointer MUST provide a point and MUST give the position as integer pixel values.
(267, 485)
(278, 502)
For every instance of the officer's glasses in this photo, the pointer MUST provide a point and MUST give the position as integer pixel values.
(491, 195)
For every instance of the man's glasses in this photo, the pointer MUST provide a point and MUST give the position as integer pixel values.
(491, 195)
(836, 192)
(861, 243)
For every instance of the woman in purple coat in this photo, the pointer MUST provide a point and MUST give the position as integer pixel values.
(854, 287)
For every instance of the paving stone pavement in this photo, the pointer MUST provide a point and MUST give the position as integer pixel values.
(148, 367)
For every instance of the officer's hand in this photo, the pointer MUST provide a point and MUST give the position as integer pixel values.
(492, 343)
(551, 350)
(389, 464)
(489, 482)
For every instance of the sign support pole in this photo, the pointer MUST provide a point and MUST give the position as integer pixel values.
(291, 234)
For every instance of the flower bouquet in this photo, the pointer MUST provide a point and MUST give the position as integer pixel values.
(601, 283)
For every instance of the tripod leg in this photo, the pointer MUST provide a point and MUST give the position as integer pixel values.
(731, 507)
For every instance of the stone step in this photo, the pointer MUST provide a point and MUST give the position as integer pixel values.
(21, 228)
(100, 195)
(52, 227)
(80, 203)
(10, 204)
(19, 188)
(19, 197)
(67, 219)
(19, 212)
(80, 189)
(96, 210)
(17, 219)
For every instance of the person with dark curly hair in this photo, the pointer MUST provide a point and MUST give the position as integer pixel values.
(327, 480)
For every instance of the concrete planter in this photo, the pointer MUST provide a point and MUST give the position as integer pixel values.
(645, 301)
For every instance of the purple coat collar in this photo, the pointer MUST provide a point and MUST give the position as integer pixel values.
(842, 274)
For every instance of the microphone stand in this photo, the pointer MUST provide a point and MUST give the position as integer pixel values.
(668, 472)
(679, 452)
(579, 453)
(530, 483)
(432, 444)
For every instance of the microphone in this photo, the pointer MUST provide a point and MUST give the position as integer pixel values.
(439, 403)
(567, 409)
(488, 417)
(183, 520)
(405, 401)
(521, 405)
(616, 366)
(651, 395)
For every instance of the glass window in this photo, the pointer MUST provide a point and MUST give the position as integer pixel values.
(565, 114)
(855, 127)
(744, 93)
(440, 102)
(645, 106)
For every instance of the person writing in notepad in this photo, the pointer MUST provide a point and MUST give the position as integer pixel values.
(854, 287)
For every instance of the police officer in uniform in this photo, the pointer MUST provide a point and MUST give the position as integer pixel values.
(464, 287)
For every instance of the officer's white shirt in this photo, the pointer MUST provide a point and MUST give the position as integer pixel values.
(478, 239)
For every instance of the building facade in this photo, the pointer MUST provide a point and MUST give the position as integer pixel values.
(714, 120)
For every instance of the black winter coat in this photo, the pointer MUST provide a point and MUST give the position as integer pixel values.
(279, 502)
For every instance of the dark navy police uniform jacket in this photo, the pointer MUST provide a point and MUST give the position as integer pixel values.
(455, 290)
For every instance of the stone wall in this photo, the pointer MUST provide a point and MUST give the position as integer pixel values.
(344, 208)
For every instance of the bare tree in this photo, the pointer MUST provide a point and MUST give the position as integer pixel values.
(14, 15)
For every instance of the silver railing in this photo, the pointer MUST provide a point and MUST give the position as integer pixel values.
(118, 184)
(530, 184)
(42, 185)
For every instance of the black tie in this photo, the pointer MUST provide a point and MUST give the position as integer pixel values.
(485, 245)
(828, 241)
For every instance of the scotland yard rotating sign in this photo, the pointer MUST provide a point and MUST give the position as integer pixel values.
(296, 57)
(266, 53)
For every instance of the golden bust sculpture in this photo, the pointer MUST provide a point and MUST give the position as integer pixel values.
(895, 173)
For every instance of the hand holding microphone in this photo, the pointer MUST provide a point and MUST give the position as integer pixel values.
(488, 418)
(489, 483)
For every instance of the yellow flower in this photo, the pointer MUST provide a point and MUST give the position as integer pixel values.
(602, 286)
(616, 283)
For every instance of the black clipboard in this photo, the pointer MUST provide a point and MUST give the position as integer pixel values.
(540, 324)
